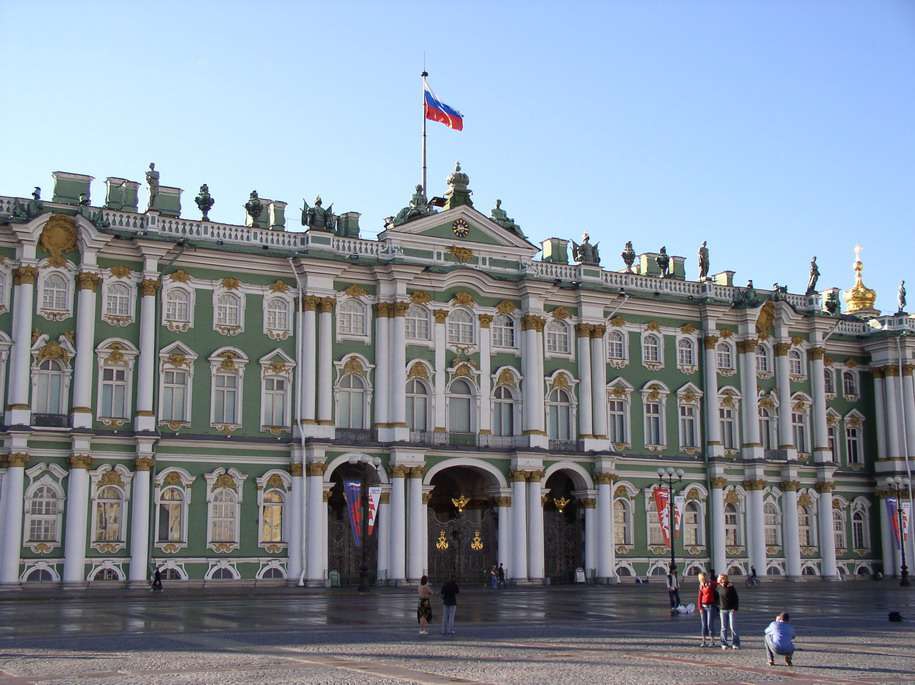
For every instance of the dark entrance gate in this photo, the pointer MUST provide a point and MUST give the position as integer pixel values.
(343, 556)
(563, 530)
(463, 527)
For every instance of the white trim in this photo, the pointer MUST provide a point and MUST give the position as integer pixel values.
(185, 481)
(126, 478)
(229, 361)
(267, 362)
(51, 476)
(165, 364)
(263, 486)
(176, 325)
(663, 394)
(108, 282)
(366, 377)
(125, 355)
(569, 335)
(68, 273)
(289, 300)
(366, 336)
(648, 364)
(6, 285)
(227, 328)
(618, 362)
(693, 341)
(65, 366)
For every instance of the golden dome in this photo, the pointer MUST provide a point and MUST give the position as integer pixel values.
(859, 299)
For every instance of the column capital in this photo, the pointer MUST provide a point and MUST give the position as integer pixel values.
(605, 478)
(385, 497)
(24, 275)
(382, 310)
(710, 341)
(485, 320)
(583, 330)
(588, 502)
(757, 484)
(817, 353)
(532, 322)
(517, 476)
(441, 315)
(149, 287)
(88, 280)
(790, 485)
(415, 471)
(327, 305)
(748, 345)
(399, 471)
(143, 464)
(296, 469)
(81, 461)
(781, 349)
(877, 372)
(598, 330)
(18, 459)
(891, 371)
(824, 487)
(719, 483)
(502, 501)
(908, 369)
(399, 308)
(310, 303)
(316, 468)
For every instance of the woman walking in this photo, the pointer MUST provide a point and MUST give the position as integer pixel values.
(424, 610)
(727, 604)
(707, 604)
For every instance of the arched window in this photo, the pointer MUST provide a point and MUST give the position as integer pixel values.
(459, 407)
(557, 337)
(829, 381)
(272, 515)
(849, 384)
(277, 314)
(272, 574)
(503, 331)
(114, 392)
(503, 419)
(692, 524)
(172, 574)
(117, 303)
(39, 575)
(838, 529)
(417, 405)
(49, 388)
(171, 515)
(460, 327)
(725, 356)
(177, 306)
(655, 537)
(686, 352)
(44, 512)
(804, 526)
(275, 390)
(651, 349)
(56, 293)
(223, 515)
(222, 574)
(616, 345)
(772, 521)
(351, 318)
(559, 415)
(109, 512)
(796, 363)
(106, 574)
(859, 536)
(762, 359)
(732, 536)
(765, 428)
(225, 397)
(351, 402)
(416, 323)
(728, 418)
(228, 310)
(622, 522)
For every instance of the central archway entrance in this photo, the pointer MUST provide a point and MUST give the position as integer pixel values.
(344, 557)
(463, 526)
(563, 529)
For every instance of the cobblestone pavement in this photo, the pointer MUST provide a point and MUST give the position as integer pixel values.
(620, 634)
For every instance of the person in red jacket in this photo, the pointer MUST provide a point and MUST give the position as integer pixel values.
(707, 606)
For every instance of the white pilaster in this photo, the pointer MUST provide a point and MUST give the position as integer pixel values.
(146, 414)
(783, 383)
(317, 524)
(383, 526)
(138, 572)
(441, 423)
(485, 374)
(585, 412)
(397, 410)
(893, 418)
(309, 364)
(888, 547)
(85, 343)
(535, 562)
(716, 506)
(604, 527)
(749, 406)
(532, 367)
(756, 530)
(879, 413)
(504, 502)
(710, 370)
(518, 568)
(326, 367)
(77, 510)
(294, 564)
(383, 367)
(398, 555)
(599, 386)
(908, 407)
(589, 502)
(826, 539)
(821, 452)
(416, 512)
(790, 538)
(19, 410)
(11, 540)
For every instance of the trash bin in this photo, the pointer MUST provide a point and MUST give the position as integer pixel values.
(580, 575)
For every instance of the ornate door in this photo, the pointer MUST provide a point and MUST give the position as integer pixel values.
(463, 544)
(563, 533)
(343, 555)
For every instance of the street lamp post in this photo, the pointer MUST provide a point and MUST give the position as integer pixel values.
(669, 474)
(898, 485)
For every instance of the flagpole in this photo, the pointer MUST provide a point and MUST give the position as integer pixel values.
(424, 75)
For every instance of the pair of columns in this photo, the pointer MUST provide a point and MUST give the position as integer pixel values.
(317, 381)
(894, 399)
(526, 562)
(592, 368)
(534, 420)
(390, 410)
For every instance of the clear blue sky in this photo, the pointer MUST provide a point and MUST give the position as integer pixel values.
(775, 130)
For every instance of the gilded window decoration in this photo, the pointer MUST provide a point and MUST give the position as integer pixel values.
(178, 306)
(225, 493)
(110, 499)
(228, 311)
(176, 376)
(114, 391)
(276, 392)
(278, 316)
(43, 508)
(227, 376)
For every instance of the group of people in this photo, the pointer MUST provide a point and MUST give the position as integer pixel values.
(497, 577)
(449, 594)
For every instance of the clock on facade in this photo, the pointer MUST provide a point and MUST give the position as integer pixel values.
(460, 228)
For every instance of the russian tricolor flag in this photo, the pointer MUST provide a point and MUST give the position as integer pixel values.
(436, 110)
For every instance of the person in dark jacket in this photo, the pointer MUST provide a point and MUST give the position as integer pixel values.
(707, 606)
(450, 591)
(673, 588)
(728, 604)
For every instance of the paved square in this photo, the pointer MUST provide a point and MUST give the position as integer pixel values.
(621, 634)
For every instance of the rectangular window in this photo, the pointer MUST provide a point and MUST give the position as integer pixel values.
(833, 448)
(225, 398)
(274, 401)
(853, 445)
(800, 431)
(617, 422)
(728, 428)
(654, 527)
(114, 393)
(652, 423)
(174, 396)
(687, 425)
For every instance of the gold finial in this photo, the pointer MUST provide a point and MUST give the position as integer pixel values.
(460, 502)
(860, 299)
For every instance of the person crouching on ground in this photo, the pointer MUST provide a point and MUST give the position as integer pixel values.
(707, 604)
(424, 610)
(779, 638)
(673, 588)
(450, 591)
(727, 605)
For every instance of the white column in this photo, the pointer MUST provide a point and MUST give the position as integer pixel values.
(585, 412)
(295, 556)
(316, 522)
(415, 528)
(893, 419)
(384, 535)
(827, 540)
(146, 414)
(138, 573)
(397, 410)
(750, 405)
(535, 561)
(908, 406)
(309, 362)
(504, 503)
(326, 365)
(325, 508)
(532, 367)
(783, 383)
(591, 535)
(888, 547)
(790, 538)
(712, 420)
(485, 427)
(604, 527)
(19, 410)
(518, 568)
(398, 555)
(599, 382)
(11, 540)
(821, 451)
(77, 510)
(382, 366)
(441, 423)
(756, 530)
(85, 350)
(716, 511)
(879, 413)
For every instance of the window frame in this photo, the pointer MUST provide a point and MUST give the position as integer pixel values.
(229, 362)
(726, 347)
(691, 363)
(555, 331)
(271, 329)
(176, 358)
(623, 339)
(646, 344)
(347, 310)
(223, 325)
(55, 313)
(178, 479)
(115, 354)
(499, 324)
(219, 482)
(118, 478)
(274, 481)
(43, 477)
(418, 315)
(173, 323)
(660, 399)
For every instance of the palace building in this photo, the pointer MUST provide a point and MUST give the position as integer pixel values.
(192, 395)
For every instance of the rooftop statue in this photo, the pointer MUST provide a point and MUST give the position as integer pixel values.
(832, 301)
(36, 194)
(253, 206)
(317, 217)
(586, 253)
(152, 180)
(900, 297)
(628, 255)
(779, 292)
(663, 262)
(204, 202)
(417, 209)
(814, 277)
(23, 212)
(500, 217)
(703, 261)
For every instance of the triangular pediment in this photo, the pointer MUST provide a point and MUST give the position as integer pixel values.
(458, 226)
